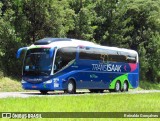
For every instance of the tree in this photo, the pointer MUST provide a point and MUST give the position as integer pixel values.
(133, 24)
(84, 19)
(104, 10)
(8, 41)
(51, 18)
(145, 35)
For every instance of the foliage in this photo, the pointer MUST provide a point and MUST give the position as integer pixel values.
(146, 85)
(10, 85)
(9, 42)
(133, 24)
(84, 19)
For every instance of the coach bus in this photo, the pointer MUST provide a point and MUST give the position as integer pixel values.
(69, 64)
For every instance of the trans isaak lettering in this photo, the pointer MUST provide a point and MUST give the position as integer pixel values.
(106, 67)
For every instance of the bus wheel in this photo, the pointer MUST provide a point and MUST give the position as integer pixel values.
(71, 87)
(117, 86)
(125, 86)
(43, 92)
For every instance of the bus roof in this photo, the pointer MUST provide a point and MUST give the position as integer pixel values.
(67, 42)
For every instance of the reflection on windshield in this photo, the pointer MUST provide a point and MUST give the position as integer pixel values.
(37, 62)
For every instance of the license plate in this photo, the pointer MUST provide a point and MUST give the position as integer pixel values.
(34, 86)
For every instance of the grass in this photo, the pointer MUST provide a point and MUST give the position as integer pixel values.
(149, 86)
(10, 85)
(86, 103)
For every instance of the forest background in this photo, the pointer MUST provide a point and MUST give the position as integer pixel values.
(132, 24)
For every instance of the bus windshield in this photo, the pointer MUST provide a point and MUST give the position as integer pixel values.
(38, 62)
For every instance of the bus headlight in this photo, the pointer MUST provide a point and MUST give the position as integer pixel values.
(23, 81)
(48, 82)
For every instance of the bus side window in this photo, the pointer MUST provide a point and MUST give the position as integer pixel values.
(131, 59)
(117, 58)
(90, 54)
(64, 56)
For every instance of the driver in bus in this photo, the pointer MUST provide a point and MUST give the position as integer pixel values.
(57, 65)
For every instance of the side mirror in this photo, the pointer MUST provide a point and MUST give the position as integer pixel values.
(51, 51)
(20, 50)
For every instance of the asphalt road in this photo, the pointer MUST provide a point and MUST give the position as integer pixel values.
(60, 93)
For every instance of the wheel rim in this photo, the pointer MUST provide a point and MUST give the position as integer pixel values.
(117, 86)
(70, 87)
(125, 86)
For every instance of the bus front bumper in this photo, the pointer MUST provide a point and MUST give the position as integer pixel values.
(47, 85)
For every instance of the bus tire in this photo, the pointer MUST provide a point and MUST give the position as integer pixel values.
(117, 86)
(44, 92)
(125, 86)
(71, 87)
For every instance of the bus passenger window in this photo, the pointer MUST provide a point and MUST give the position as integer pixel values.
(131, 59)
(91, 54)
(63, 57)
(117, 58)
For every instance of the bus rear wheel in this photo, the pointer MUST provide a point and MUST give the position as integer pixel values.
(71, 87)
(117, 86)
(43, 92)
(125, 86)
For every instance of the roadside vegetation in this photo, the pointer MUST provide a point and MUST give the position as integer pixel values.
(146, 85)
(10, 85)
